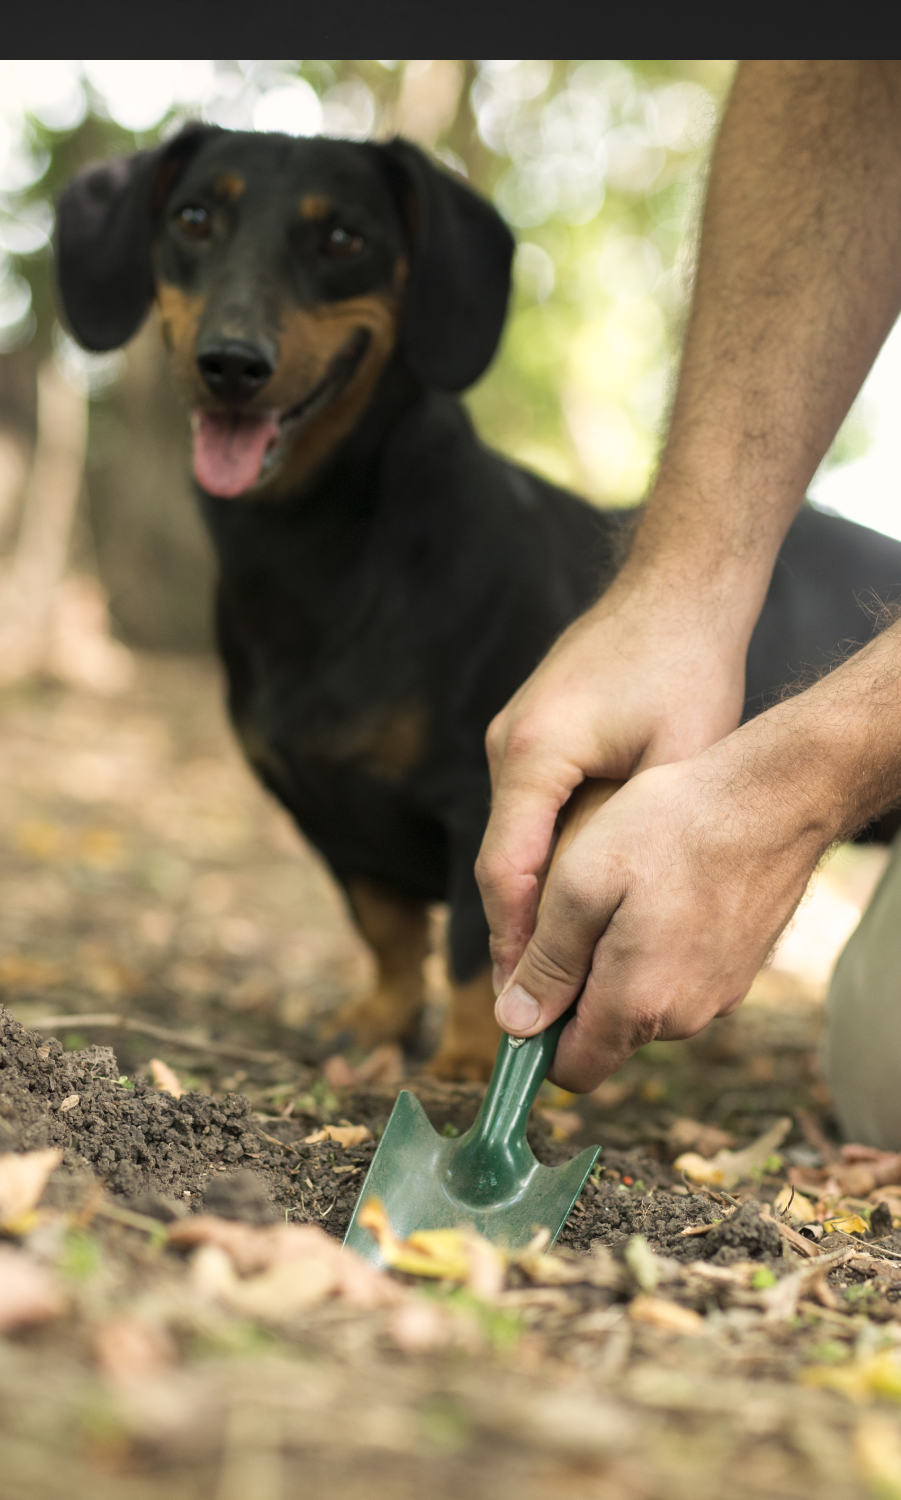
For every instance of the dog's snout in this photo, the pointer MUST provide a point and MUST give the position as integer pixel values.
(233, 369)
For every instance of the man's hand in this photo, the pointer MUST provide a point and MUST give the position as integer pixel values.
(669, 897)
(632, 684)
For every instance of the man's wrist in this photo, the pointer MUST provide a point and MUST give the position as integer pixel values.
(827, 761)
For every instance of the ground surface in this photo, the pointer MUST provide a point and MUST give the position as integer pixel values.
(145, 879)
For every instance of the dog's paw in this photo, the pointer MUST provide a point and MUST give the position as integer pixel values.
(375, 1020)
(463, 1063)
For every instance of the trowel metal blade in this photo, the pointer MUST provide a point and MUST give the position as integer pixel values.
(409, 1174)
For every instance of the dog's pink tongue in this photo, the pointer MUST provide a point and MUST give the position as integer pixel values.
(229, 450)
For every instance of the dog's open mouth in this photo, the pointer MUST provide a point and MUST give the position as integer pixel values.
(234, 448)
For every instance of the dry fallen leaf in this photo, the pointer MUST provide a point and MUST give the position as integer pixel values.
(597, 1269)
(728, 1168)
(692, 1135)
(445, 1254)
(875, 1375)
(795, 1205)
(661, 1313)
(383, 1065)
(287, 1288)
(252, 1252)
(563, 1122)
(417, 1326)
(612, 1092)
(343, 1135)
(130, 1349)
(28, 1292)
(18, 971)
(165, 1079)
(339, 1073)
(23, 1177)
(847, 1224)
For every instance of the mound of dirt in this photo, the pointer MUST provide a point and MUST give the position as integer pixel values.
(135, 1138)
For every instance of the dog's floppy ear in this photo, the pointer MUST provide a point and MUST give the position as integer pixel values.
(456, 297)
(104, 229)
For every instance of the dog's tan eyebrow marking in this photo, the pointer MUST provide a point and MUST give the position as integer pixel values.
(313, 207)
(229, 186)
(179, 318)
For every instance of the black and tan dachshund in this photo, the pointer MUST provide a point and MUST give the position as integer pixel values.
(386, 581)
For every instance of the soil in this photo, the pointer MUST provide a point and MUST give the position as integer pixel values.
(145, 878)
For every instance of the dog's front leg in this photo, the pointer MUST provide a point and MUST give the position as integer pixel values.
(396, 928)
(470, 1037)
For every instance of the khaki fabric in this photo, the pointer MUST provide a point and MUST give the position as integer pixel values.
(862, 1044)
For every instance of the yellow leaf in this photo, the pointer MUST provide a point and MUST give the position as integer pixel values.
(795, 1205)
(848, 1224)
(879, 1375)
(445, 1254)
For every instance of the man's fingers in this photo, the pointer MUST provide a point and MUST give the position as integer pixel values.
(514, 854)
(576, 908)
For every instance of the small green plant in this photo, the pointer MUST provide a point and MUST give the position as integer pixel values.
(124, 1082)
(763, 1278)
(81, 1255)
(829, 1352)
(860, 1296)
(73, 1041)
(450, 1131)
(324, 1097)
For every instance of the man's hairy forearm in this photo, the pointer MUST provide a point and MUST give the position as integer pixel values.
(799, 282)
(824, 763)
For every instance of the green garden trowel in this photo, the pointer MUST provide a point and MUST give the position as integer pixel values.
(488, 1178)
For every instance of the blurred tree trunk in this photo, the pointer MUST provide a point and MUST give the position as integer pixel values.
(153, 554)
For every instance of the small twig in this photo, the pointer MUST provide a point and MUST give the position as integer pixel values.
(114, 1021)
(702, 1228)
(330, 1207)
(722, 1199)
(274, 1141)
(127, 1217)
(783, 1212)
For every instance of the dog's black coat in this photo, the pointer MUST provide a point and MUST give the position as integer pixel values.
(418, 577)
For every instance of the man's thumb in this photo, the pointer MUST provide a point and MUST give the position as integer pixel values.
(549, 976)
(555, 965)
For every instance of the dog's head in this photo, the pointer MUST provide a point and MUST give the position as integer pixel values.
(287, 274)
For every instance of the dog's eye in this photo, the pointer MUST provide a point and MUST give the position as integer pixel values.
(341, 243)
(194, 222)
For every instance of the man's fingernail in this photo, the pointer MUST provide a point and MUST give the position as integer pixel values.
(516, 1010)
(497, 979)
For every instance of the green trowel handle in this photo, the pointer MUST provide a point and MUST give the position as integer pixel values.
(493, 1160)
(499, 1131)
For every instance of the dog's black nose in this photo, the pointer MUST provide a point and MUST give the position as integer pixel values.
(234, 370)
